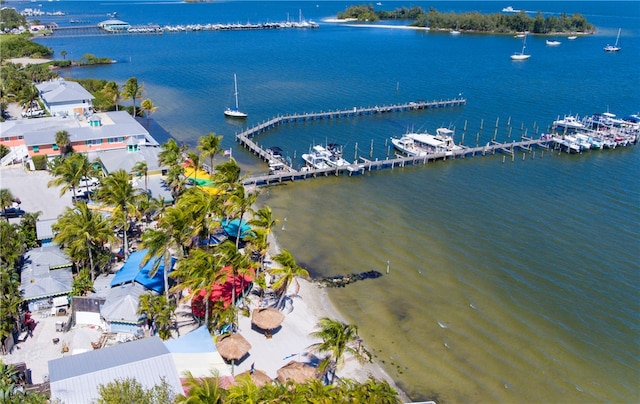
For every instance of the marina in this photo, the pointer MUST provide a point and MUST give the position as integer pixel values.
(99, 29)
(428, 148)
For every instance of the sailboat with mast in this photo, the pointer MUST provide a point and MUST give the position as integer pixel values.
(616, 47)
(235, 112)
(521, 55)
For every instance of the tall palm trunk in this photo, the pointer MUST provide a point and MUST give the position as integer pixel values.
(91, 261)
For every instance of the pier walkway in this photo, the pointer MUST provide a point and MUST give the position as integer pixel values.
(546, 142)
(399, 161)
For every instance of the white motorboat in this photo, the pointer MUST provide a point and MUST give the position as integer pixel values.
(569, 124)
(335, 156)
(318, 157)
(422, 144)
(235, 112)
(552, 43)
(572, 37)
(510, 9)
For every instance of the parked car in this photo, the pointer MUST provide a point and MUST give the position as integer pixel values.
(12, 212)
(88, 182)
(81, 195)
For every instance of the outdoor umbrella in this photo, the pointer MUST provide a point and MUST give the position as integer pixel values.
(297, 372)
(267, 318)
(258, 377)
(232, 346)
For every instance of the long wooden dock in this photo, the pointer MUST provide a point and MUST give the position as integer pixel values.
(399, 161)
(244, 138)
(525, 144)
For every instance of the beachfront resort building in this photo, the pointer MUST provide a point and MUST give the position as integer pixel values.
(116, 130)
(65, 98)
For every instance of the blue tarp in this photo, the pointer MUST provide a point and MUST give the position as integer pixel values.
(198, 340)
(231, 228)
(131, 272)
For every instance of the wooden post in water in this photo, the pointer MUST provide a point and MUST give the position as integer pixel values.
(495, 131)
(464, 130)
(371, 150)
(355, 154)
(509, 133)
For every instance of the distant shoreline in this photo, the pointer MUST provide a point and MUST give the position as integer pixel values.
(348, 22)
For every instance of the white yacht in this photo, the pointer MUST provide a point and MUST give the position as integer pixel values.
(422, 144)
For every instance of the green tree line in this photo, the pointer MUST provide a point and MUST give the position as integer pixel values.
(474, 21)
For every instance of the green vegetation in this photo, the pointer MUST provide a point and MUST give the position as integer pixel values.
(208, 390)
(474, 21)
(18, 46)
(10, 19)
(131, 391)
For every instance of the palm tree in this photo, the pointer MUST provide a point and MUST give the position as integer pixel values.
(227, 174)
(199, 271)
(264, 220)
(193, 161)
(63, 141)
(133, 90)
(12, 245)
(159, 312)
(336, 338)
(28, 94)
(69, 172)
(176, 181)
(148, 108)
(204, 209)
(6, 199)
(174, 233)
(202, 390)
(240, 265)
(10, 302)
(141, 168)
(287, 273)
(82, 283)
(238, 203)
(112, 92)
(171, 153)
(117, 191)
(63, 53)
(82, 232)
(209, 146)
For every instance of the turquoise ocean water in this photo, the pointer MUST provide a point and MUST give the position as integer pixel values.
(509, 281)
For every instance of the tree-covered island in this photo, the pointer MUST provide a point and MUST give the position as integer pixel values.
(474, 21)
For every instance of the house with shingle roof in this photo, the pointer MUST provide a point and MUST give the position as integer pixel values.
(65, 98)
(45, 274)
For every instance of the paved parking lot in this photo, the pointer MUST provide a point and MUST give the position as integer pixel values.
(31, 188)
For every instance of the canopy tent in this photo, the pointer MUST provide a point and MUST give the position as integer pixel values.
(131, 271)
(196, 352)
(231, 228)
(223, 291)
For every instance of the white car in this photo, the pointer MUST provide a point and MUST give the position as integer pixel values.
(88, 182)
